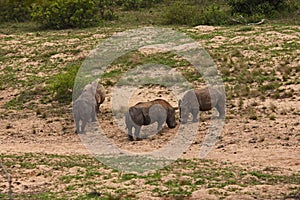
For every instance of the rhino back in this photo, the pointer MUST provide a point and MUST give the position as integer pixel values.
(163, 103)
(157, 113)
(190, 99)
(209, 98)
(204, 99)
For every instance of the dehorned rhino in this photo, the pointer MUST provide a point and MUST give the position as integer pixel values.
(145, 113)
(87, 104)
(201, 100)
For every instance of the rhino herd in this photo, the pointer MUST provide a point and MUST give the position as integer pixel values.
(141, 114)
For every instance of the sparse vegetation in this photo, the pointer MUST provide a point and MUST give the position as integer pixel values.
(259, 67)
(61, 85)
(81, 169)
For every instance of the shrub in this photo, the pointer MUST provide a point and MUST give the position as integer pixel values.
(61, 85)
(106, 8)
(254, 7)
(137, 4)
(131, 4)
(15, 10)
(149, 3)
(61, 14)
(181, 12)
(213, 15)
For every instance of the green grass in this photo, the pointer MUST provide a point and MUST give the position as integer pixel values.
(255, 71)
(187, 177)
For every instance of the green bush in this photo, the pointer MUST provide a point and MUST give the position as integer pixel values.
(183, 13)
(214, 15)
(15, 10)
(254, 7)
(61, 85)
(106, 8)
(131, 4)
(137, 4)
(61, 14)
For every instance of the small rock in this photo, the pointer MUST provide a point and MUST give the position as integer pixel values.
(8, 126)
(253, 140)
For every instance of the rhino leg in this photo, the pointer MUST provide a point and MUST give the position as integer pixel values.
(94, 117)
(97, 108)
(83, 126)
(130, 136)
(195, 114)
(77, 126)
(77, 121)
(221, 110)
(129, 126)
(159, 127)
(137, 132)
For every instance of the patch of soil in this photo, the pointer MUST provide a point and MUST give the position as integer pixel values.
(256, 143)
(271, 140)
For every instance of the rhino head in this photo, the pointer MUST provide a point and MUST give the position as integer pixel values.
(171, 121)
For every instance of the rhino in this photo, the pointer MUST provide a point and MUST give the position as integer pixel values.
(145, 113)
(87, 104)
(99, 96)
(201, 100)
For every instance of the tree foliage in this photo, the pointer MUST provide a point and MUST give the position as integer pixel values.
(15, 10)
(253, 7)
(185, 13)
(136, 4)
(60, 14)
(66, 13)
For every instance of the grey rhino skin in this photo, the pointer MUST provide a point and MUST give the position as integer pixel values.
(145, 113)
(85, 106)
(99, 96)
(201, 100)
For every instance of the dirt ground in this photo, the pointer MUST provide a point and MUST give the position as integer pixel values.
(255, 144)
(260, 143)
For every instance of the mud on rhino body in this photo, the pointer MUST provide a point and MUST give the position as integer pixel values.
(201, 100)
(145, 113)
